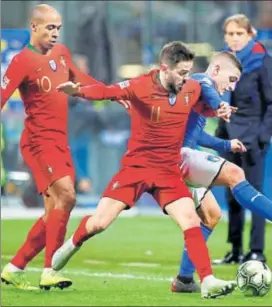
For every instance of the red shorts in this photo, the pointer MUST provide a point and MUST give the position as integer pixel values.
(48, 164)
(131, 182)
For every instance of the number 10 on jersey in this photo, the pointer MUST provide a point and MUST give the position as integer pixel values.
(44, 84)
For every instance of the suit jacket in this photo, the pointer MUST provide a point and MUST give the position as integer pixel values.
(252, 124)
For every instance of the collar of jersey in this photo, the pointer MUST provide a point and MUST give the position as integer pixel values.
(31, 47)
(156, 81)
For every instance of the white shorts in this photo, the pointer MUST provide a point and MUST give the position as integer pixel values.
(198, 195)
(201, 169)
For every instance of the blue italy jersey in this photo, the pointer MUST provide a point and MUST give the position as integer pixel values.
(195, 134)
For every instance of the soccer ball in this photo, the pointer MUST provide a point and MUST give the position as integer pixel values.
(254, 278)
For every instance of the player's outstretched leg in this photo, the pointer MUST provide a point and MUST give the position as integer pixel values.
(13, 273)
(210, 214)
(63, 195)
(244, 193)
(182, 211)
(107, 210)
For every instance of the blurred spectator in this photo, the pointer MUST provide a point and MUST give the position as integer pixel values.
(264, 19)
(252, 124)
(3, 172)
(93, 41)
(82, 120)
(84, 186)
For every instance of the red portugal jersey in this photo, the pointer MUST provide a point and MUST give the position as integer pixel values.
(158, 118)
(37, 76)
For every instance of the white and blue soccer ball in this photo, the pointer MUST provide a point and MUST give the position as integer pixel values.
(254, 278)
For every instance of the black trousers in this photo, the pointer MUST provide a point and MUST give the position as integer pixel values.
(253, 165)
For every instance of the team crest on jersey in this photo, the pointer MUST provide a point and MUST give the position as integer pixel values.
(172, 98)
(53, 65)
(62, 61)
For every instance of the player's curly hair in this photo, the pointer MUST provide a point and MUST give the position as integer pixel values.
(175, 52)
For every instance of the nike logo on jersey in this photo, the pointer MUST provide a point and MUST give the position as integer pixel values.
(39, 69)
(115, 185)
(156, 97)
(254, 197)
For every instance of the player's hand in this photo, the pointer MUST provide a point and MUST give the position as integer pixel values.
(224, 111)
(69, 88)
(125, 103)
(237, 146)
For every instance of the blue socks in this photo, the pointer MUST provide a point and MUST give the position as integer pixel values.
(186, 267)
(249, 198)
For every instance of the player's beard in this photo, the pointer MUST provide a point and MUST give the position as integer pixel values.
(172, 88)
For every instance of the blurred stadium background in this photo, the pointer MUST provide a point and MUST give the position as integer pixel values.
(113, 40)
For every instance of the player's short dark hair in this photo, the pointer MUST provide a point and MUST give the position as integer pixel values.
(232, 57)
(175, 52)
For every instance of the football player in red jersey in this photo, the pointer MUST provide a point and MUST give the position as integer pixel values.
(162, 101)
(36, 71)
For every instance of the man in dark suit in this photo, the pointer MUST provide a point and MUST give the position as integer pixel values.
(252, 124)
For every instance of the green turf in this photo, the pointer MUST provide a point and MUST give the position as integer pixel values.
(156, 240)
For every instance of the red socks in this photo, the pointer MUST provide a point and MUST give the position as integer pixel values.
(33, 245)
(55, 233)
(198, 251)
(81, 234)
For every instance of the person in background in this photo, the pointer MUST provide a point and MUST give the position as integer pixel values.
(3, 172)
(251, 124)
(81, 119)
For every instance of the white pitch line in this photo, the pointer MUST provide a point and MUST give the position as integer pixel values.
(108, 275)
(95, 262)
(100, 262)
(7, 256)
(140, 264)
(128, 264)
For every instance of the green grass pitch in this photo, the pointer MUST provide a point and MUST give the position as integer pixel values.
(131, 264)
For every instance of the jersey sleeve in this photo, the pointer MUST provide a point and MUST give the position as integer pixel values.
(215, 143)
(13, 77)
(210, 95)
(121, 91)
(204, 109)
(75, 74)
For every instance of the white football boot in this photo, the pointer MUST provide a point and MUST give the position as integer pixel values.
(212, 287)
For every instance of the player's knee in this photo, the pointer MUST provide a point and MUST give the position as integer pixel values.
(210, 218)
(190, 220)
(234, 174)
(214, 219)
(67, 199)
